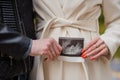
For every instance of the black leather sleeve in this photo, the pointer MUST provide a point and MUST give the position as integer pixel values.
(12, 43)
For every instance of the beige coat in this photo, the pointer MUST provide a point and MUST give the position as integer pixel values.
(76, 18)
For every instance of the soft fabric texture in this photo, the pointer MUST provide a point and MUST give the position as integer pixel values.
(76, 18)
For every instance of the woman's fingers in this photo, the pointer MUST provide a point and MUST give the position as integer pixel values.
(95, 49)
(101, 53)
(91, 44)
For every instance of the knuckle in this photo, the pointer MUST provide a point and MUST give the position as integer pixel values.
(58, 52)
(54, 54)
(103, 46)
(51, 40)
(91, 49)
(106, 49)
(98, 38)
(102, 41)
(94, 46)
(46, 48)
(43, 52)
(60, 49)
(48, 45)
(96, 51)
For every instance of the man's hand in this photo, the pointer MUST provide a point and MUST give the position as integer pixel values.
(47, 47)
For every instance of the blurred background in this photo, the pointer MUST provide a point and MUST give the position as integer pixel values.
(115, 62)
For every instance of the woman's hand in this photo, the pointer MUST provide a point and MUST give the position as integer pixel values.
(95, 49)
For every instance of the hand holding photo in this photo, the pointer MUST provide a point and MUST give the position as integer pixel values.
(71, 46)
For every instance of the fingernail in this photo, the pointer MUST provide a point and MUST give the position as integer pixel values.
(84, 56)
(82, 51)
(92, 59)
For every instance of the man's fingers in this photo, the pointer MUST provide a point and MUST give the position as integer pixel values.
(57, 51)
(54, 49)
(58, 46)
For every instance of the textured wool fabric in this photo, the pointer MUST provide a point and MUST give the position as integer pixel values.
(76, 18)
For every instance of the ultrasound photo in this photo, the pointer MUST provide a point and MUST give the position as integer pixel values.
(71, 46)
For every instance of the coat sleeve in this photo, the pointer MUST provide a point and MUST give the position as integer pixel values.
(13, 44)
(111, 36)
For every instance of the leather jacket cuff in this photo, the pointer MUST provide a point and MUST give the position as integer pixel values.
(28, 51)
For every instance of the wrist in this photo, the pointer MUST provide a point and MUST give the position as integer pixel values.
(32, 51)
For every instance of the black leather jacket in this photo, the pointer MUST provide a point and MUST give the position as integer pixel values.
(15, 39)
